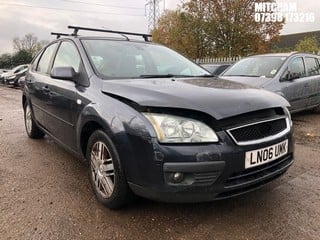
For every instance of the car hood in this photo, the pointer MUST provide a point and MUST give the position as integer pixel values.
(217, 97)
(7, 74)
(252, 81)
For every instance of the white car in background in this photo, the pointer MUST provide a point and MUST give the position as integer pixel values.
(2, 73)
(11, 77)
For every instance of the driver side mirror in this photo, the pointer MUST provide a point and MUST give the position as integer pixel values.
(289, 76)
(293, 75)
(64, 73)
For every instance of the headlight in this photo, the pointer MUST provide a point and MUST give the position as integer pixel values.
(175, 129)
(11, 77)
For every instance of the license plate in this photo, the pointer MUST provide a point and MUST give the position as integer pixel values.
(264, 155)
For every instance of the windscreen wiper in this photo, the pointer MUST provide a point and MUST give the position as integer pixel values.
(241, 75)
(169, 75)
(204, 75)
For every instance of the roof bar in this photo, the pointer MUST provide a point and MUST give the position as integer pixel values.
(76, 29)
(59, 34)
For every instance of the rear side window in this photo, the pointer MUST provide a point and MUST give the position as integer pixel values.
(296, 68)
(67, 56)
(44, 62)
(312, 66)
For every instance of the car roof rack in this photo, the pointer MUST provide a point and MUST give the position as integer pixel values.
(77, 28)
(60, 34)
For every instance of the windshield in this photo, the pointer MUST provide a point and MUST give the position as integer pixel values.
(262, 66)
(210, 68)
(124, 59)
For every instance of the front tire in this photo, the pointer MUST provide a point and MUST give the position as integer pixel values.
(32, 129)
(106, 175)
(317, 109)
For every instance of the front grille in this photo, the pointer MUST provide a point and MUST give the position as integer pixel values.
(258, 131)
(237, 192)
(250, 179)
(255, 173)
(206, 178)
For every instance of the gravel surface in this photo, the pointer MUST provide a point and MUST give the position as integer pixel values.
(45, 194)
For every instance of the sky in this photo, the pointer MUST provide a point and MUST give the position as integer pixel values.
(41, 17)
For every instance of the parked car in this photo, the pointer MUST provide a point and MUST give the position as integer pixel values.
(21, 81)
(12, 76)
(152, 123)
(216, 69)
(2, 73)
(295, 76)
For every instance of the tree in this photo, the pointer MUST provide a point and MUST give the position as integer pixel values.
(25, 49)
(5, 61)
(235, 31)
(308, 44)
(22, 57)
(28, 43)
(201, 28)
(175, 30)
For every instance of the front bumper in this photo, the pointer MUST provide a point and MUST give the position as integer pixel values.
(11, 81)
(211, 171)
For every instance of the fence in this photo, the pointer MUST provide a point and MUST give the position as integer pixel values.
(218, 60)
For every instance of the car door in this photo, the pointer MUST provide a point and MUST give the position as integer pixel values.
(62, 102)
(313, 77)
(295, 84)
(36, 82)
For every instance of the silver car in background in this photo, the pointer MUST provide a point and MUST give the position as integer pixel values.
(12, 77)
(295, 76)
(2, 74)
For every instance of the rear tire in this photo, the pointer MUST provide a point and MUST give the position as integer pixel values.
(32, 129)
(106, 175)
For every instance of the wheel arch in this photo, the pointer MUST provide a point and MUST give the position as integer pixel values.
(89, 123)
(86, 131)
(128, 133)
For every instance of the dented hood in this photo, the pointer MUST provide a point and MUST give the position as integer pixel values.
(216, 97)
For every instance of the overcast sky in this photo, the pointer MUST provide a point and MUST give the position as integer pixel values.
(19, 17)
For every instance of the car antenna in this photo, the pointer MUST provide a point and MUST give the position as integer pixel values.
(59, 34)
(77, 28)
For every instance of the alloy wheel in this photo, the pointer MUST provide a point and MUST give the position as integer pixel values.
(28, 119)
(102, 169)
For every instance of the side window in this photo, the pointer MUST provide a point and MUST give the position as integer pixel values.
(43, 64)
(312, 66)
(35, 62)
(296, 68)
(67, 56)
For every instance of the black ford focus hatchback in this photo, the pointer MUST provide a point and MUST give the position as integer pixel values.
(151, 123)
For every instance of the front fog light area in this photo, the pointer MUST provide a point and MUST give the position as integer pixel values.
(176, 129)
(177, 177)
